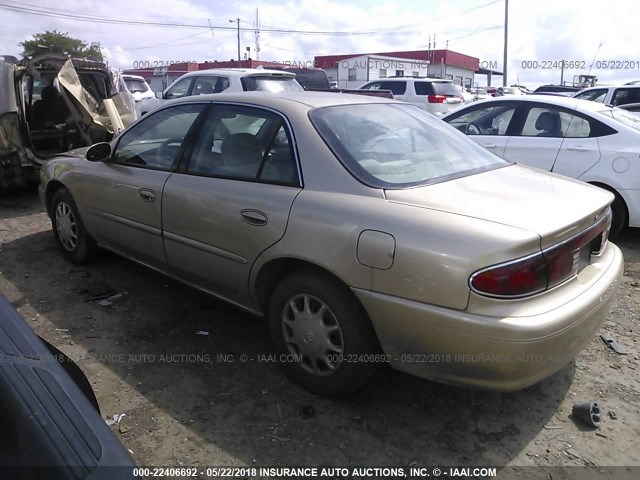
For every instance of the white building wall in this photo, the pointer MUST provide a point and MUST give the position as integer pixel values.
(354, 72)
(459, 76)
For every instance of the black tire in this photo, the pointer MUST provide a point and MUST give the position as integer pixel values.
(355, 335)
(73, 240)
(620, 216)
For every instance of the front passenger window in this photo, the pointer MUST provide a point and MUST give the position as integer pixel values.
(492, 120)
(180, 89)
(156, 141)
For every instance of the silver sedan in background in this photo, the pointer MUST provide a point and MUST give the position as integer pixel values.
(364, 230)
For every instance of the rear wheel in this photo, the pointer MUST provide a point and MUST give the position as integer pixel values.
(620, 216)
(73, 240)
(324, 338)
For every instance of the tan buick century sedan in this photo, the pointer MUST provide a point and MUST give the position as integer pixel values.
(365, 230)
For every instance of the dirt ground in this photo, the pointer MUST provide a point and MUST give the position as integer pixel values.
(187, 403)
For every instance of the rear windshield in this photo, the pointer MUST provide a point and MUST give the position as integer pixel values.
(399, 146)
(135, 86)
(436, 88)
(271, 84)
(623, 116)
(310, 79)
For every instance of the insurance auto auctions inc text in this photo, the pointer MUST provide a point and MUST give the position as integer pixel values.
(363, 472)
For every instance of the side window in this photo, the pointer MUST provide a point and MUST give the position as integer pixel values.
(574, 126)
(204, 85)
(544, 122)
(373, 86)
(180, 89)
(397, 88)
(156, 141)
(593, 95)
(423, 88)
(548, 122)
(622, 96)
(492, 120)
(244, 143)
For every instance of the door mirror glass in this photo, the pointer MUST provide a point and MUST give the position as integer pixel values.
(99, 152)
(159, 95)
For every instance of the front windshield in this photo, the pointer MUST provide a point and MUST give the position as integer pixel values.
(271, 84)
(623, 116)
(396, 146)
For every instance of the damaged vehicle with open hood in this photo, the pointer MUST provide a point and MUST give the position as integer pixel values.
(52, 104)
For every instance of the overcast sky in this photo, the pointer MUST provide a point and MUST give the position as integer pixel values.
(539, 31)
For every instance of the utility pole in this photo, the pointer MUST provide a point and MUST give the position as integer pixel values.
(506, 39)
(257, 49)
(237, 20)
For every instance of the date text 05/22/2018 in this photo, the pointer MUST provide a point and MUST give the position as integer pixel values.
(580, 64)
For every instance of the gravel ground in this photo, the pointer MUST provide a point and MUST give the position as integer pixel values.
(190, 400)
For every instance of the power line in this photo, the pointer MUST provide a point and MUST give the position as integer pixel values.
(108, 20)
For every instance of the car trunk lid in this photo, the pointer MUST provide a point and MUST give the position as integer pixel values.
(554, 207)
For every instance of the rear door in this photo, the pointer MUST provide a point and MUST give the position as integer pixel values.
(579, 150)
(231, 198)
(537, 140)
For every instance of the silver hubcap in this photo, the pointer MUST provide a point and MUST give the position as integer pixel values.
(66, 226)
(312, 333)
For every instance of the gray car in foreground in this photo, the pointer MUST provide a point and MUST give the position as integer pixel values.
(364, 230)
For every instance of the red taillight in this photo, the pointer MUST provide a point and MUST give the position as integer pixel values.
(544, 270)
(521, 277)
(436, 98)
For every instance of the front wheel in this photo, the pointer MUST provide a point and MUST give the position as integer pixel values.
(324, 338)
(73, 240)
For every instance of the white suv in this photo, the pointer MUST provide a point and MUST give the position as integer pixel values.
(217, 80)
(434, 95)
(616, 95)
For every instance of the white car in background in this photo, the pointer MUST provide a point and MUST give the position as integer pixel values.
(466, 96)
(595, 143)
(228, 80)
(138, 87)
(434, 95)
(612, 95)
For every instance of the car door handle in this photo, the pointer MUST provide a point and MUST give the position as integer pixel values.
(148, 195)
(490, 145)
(254, 217)
(579, 149)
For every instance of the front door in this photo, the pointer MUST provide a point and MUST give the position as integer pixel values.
(122, 198)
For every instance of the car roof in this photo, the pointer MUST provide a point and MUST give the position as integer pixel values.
(560, 101)
(308, 99)
(241, 72)
(609, 87)
(132, 77)
(403, 79)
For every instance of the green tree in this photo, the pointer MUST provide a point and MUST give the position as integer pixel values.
(61, 43)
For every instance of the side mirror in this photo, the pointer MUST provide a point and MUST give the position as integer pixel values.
(159, 95)
(99, 152)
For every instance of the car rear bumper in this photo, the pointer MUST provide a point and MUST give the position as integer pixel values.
(496, 353)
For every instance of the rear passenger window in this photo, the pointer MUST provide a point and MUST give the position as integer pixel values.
(622, 96)
(244, 143)
(423, 88)
(397, 88)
